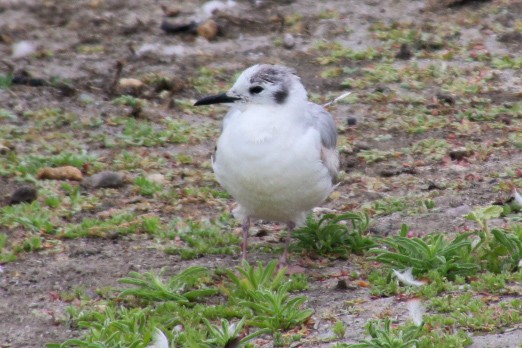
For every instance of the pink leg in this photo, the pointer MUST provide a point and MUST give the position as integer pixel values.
(245, 227)
(283, 261)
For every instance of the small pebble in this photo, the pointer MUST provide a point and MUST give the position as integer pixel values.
(106, 179)
(130, 83)
(3, 149)
(22, 49)
(459, 153)
(60, 173)
(351, 121)
(404, 52)
(445, 98)
(170, 11)
(208, 29)
(341, 285)
(24, 194)
(288, 41)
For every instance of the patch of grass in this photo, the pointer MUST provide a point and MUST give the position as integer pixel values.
(431, 148)
(129, 100)
(339, 329)
(128, 160)
(6, 255)
(432, 252)
(6, 114)
(440, 337)
(382, 334)
(199, 239)
(6, 81)
(145, 187)
(30, 244)
(227, 335)
(275, 309)
(267, 292)
(150, 287)
(474, 312)
(206, 81)
(374, 155)
(120, 224)
(338, 53)
(51, 118)
(507, 62)
(143, 133)
(335, 235)
(30, 217)
(498, 249)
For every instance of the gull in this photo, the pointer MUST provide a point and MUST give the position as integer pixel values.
(276, 155)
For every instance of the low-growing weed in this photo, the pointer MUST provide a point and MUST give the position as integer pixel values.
(382, 334)
(275, 309)
(228, 335)
(335, 235)
(434, 251)
(203, 239)
(150, 287)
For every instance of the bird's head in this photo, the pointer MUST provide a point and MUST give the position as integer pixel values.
(264, 85)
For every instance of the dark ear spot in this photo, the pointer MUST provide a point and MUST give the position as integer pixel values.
(281, 95)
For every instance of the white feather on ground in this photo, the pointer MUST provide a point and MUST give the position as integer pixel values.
(159, 340)
(517, 197)
(407, 278)
(416, 310)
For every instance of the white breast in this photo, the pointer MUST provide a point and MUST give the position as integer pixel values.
(271, 165)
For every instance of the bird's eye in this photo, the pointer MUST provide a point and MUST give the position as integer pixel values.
(255, 90)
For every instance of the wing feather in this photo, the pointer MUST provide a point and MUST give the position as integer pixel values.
(323, 121)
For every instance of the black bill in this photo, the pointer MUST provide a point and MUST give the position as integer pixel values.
(216, 99)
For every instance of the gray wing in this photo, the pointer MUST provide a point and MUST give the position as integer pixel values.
(323, 121)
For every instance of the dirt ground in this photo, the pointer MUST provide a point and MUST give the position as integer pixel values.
(81, 43)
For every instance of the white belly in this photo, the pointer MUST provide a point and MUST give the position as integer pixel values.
(272, 169)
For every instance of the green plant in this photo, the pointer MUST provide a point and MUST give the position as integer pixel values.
(441, 338)
(298, 282)
(31, 244)
(32, 217)
(382, 335)
(115, 327)
(339, 329)
(433, 251)
(119, 224)
(503, 252)
(5, 255)
(228, 335)
(142, 133)
(275, 309)
(472, 312)
(203, 239)
(254, 279)
(150, 287)
(146, 187)
(75, 197)
(335, 235)
(482, 215)
(266, 291)
(6, 81)
(498, 249)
